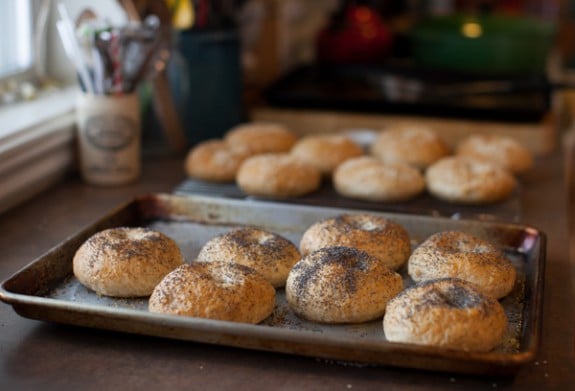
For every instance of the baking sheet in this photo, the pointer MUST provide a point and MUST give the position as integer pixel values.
(46, 289)
(424, 204)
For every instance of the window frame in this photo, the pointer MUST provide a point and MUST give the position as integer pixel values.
(38, 137)
(28, 73)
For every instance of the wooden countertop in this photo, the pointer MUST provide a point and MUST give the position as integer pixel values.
(54, 356)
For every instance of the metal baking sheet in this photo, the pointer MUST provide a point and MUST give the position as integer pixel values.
(424, 204)
(47, 290)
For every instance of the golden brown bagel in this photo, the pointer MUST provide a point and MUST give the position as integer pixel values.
(466, 180)
(461, 255)
(325, 152)
(380, 237)
(125, 262)
(341, 285)
(214, 290)
(447, 313)
(277, 175)
(213, 161)
(501, 150)
(370, 179)
(418, 146)
(268, 253)
(254, 138)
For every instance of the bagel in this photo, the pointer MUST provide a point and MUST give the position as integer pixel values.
(466, 180)
(418, 146)
(214, 290)
(461, 255)
(277, 175)
(447, 313)
(125, 262)
(498, 149)
(341, 285)
(380, 237)
(213, 161)
(369, 179)
(325, 152)
(268, 253)
(253, 138)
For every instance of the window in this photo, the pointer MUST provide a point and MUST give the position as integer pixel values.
(16, 49)
(37, 136)
(37, 133)
(22, 48)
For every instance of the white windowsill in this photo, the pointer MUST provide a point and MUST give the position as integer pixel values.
(36, 145)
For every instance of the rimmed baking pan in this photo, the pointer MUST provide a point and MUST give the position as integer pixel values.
(509, 209)
(46, 289)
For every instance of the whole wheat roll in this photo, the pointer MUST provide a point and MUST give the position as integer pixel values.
(341, 285)
(214, 290)
(418, 146)
(125, 262)
(369, 179)
(502, 150)
(268, 253)
(326, 151)
(213, 161)
(464, 256)
(466, 180)
(447, 313)
(380, 237)
(277, 175)
(254, 138)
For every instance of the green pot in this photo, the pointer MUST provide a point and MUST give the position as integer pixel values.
(486, 45)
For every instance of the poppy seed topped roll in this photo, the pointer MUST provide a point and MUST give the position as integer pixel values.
(385, 239)
(214, 290)
(448, 313)
(268, 253)
(126, 262)
(341, 285)
(461, 255)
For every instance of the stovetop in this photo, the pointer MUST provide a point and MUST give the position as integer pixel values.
(401, 89)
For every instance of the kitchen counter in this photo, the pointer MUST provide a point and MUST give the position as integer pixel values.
(58, 357)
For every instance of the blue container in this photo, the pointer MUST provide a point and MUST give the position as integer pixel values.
(206, 79)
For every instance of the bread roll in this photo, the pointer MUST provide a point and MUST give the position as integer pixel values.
(325, 152)
(255, 138)
(369, 179)
(214, 290)
(497, 149)
(268, 253)
(341, 285)
(277, 176)
(213, 161)
(461, 255)
(384, 239)
(418, 146)
(465, 180)
(125, 262)
(447, 313)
